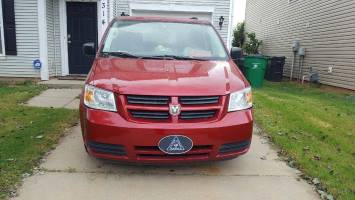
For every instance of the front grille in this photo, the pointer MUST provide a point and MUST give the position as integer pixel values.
(148, 108)
(233, 147)
(200, 114)
(113, 149)
(148, 100)
(153, 152)
(144, 114)
(198, 100)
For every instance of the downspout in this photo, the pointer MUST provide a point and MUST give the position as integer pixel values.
(43, 42)
(295, 47)
(230, 25)
(54, 44)
(302, 54)
(293, 65)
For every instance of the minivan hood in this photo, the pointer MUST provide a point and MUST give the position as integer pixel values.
(166, 77)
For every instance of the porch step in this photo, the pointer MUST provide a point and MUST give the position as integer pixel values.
(59, 84)
(80, 77)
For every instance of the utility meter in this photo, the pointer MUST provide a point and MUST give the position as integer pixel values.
(295, 46)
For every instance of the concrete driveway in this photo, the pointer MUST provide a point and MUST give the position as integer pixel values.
(69, 173)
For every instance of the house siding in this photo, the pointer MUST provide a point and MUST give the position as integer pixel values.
(325, 28)
(222, 8)
(28, 37)
(27, 42)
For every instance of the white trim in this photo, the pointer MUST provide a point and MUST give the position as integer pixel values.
(43, 42)
(64, 32)
(230, 25)
(112, 5)
(102, 17)
(63, 37)
(2, 37)
(99, 20)
(170, 7)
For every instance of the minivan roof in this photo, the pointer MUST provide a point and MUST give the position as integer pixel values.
(162, 19)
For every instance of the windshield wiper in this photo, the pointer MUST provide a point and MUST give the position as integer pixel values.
(173, 57)
(120, 54)
(128, 55)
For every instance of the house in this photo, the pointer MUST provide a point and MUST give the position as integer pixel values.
(43, 38)
(326, 29)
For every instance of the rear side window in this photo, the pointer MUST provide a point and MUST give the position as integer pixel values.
(162, 38)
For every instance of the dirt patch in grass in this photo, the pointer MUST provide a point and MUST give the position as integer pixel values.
(26, 133)
(315, 128)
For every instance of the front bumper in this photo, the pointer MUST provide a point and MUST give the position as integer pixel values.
(109, 136)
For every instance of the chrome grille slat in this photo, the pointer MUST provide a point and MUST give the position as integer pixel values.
(193, 113)
(191, 100)
(198, 98)
(197, 114)
(197, 117)
(148, 100)
(150, 114)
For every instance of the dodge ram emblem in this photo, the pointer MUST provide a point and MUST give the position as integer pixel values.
(174, 110)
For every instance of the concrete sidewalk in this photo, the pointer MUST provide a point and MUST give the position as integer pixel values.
(61, 84)
(69, 173)
(57, 98)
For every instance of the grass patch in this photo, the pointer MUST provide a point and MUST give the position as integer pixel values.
(315, 128)
(26, 133)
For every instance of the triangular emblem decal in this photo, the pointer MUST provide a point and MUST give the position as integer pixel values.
(175, 145)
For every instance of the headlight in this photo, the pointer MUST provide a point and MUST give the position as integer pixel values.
(99, 99)
(240, 100)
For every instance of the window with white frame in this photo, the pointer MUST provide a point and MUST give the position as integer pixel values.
(7, 28)
(2, 43)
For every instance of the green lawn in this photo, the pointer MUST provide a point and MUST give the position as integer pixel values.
(314, 127)
(26, 133)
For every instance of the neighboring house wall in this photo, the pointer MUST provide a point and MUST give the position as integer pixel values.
(325, 28)
(222, 8)
(27, 42)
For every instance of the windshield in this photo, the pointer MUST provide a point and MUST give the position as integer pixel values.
(164, 39)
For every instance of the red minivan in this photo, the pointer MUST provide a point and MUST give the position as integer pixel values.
(164, 91)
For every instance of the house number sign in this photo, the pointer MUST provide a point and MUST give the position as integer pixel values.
(104, 15)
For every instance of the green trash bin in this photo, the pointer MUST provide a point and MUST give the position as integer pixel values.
(255, 68)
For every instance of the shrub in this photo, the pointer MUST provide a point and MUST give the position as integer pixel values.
(239, 35)
(252, 45)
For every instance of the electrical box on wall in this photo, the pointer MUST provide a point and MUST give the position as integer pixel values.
(330, 69)
(302, 51)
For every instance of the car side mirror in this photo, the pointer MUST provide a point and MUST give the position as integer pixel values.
(236, 53)
(89, 49)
